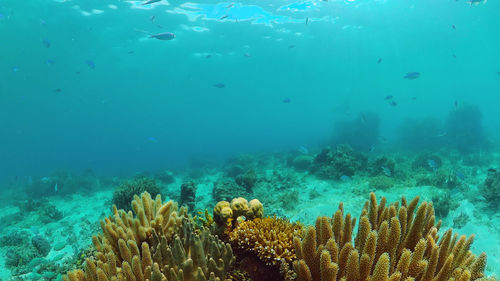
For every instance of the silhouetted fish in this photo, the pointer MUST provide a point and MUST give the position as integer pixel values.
(46, 43)
(58, 90)
(291, 46)
(219, 85)
(208, 56)
(498, 72)
(491, 170)
(412, 75)
(90, 63)
(223, 17)
(388, 97)
(163, 36)
(453, 26)
(393, 103)
(379, 60)
(307, 20)
(286, 100)
(150, 2)
(50, 62)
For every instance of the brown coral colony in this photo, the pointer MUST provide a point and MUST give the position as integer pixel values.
(398, 241)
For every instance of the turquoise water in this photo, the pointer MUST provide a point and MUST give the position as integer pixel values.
(150, 103)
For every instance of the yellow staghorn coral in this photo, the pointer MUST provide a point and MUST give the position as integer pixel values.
(157, 245)
(271, 239)
(393, 243)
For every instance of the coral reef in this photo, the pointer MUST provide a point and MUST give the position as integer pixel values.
(333, 164)
(223, 210)
(271, 239)
(490, 189)
(392, 243)
(381, 182)
(444, 204)
(41, 244)
(226, 188)
(124, 193)
(382, 166)
(302, 162)
(156, 244)
(188, 194)
(247, 180)
(464, 129)
(45, 211)
(360, 133)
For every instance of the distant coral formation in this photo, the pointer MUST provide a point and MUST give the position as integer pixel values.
(125, 192)
(392, 243)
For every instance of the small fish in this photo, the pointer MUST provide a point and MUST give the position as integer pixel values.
(413, 98)
(131, 52)
(307, 20)
(150, 2)
(455, 104)
(50, 62)
(302, 149)
(491, 170)
(453, 26)
(58, 90)
(372, 149)
(219, 85)
(442, 134)
(77, 72)
(208, 56)
(15, 69)
(345, 178)
(152, 19)
(55, 187)
(432, 164)
(291, 46)
(90, 64)
(498, 72)
(386, 171)
(454, 56)
(153, 139)
(476, 2)
(393, 103)
(287, 100)
(223, 17)
(460, 175)
(388, 97)
(230, 6)
(46, 179)
(379, 60)
(412, 75)
(247, 55)
(241, 219)
(163, 36)
(46, 43)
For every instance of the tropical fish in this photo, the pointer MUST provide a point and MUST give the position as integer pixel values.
(286, 100)
(393, 103)
(58, 90)
(247, 55)
(491, 170)
(432, 164)
(219, 85)
(476, 2)
(291, 46)
(379, 60)
(152, 19)
(307, 20)
(46, 43)
(15, 69)
(412, 75)
(50, 62)
(90, 63)
(498, 72)
(223, 17)
(388, 97)
(150, 2)
(345, 178)
(163, 36)
(153, 139)
(454, 56)
(460, 175)
(442, 134)
(453, 26)
(208, 56)
(302, 149)
(230, 6)
(386, 171)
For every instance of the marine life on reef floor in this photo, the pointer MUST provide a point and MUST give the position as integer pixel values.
(163, 36)
(219, 85)
(412, 75)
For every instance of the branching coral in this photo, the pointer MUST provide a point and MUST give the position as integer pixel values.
(271, 239)
(157, 244)
(392, 243)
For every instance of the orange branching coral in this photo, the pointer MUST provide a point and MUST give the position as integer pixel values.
(392, 243)
(271, 239)
(159, 244)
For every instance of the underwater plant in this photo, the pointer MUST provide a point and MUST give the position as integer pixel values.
(360, 133)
